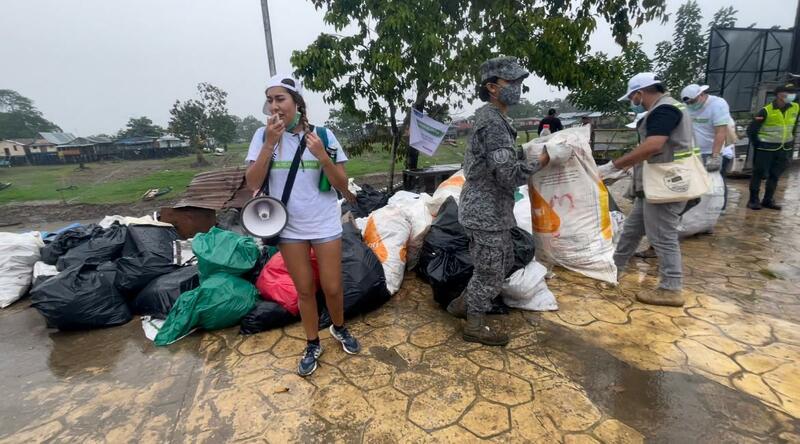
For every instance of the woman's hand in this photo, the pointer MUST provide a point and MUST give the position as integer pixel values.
(275, 130)
(315, 146)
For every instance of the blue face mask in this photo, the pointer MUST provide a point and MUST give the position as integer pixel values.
(637, 108)
(790, 98)
(694, 106)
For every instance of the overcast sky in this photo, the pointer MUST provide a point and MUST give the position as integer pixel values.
(90, 65)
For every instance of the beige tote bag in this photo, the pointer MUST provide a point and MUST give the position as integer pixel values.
(677, 181)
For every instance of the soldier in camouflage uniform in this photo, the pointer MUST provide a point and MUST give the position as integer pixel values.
(493, 167)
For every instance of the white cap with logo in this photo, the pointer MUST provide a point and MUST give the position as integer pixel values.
(639, 81)
(692, 91)
(284, 81)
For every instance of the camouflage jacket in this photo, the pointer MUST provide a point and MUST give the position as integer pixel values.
(493, 167)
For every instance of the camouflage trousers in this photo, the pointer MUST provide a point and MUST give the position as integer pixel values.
(492, 255)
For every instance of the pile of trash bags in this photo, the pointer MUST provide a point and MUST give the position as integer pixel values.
(363, 282)
(93, 277)
(445, 263)
(102, 275)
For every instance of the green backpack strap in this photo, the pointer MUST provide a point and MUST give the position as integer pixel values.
(323, 134)
(324, 182)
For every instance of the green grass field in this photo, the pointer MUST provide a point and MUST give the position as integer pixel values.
(126, 181)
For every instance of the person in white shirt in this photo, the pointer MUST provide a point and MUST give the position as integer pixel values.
(314, 219)
(711, 117)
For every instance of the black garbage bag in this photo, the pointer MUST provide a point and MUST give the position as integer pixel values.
(105, 245)
(149, 238)
(266, 315)
(445, 261)
(362, 277)
(367, 200)
(524, 249)
(135, 272)
(67, 240)
(81, 297)
(158, 297)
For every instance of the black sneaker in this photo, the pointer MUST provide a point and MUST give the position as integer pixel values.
(771, 205)
(309, 361)
(350, 344)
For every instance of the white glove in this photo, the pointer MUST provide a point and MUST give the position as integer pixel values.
(608, 170)
(714, 163)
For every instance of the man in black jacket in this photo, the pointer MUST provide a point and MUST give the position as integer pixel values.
(551, 120)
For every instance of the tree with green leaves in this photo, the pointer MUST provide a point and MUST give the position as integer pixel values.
(200, 120)
(608, 78)
(724, 18)
(682, 60)
(417, 53)
(140, 127)
(246, 127)
(19, 118)
(349, 128)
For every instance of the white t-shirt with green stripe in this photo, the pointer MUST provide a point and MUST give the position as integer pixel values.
(313, 214)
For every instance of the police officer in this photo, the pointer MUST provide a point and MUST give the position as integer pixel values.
(772, 132)
(666, 134)
(493, 167)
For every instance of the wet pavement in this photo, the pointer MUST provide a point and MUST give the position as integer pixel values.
(724, 368)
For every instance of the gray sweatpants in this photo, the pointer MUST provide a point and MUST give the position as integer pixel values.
(492, 255)
(660, 223)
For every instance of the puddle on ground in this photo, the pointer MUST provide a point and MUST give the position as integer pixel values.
(663, 406)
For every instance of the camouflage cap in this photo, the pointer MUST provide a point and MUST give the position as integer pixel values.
(506, 68)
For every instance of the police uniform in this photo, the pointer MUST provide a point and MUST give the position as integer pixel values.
(773, 132)
(493, 168)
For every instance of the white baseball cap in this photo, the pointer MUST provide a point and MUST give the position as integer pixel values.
(639, 81)
(692, 91)
(284, 81)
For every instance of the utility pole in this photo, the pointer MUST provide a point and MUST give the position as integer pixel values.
(794, 65)
(268, 37)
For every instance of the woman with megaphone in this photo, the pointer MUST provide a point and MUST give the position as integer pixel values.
(303, 166)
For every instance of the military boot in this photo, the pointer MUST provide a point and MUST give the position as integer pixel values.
(661, 296)
(477, 330)
(458, 307)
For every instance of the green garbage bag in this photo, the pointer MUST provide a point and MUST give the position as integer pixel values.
(220, 301)
(221, 251)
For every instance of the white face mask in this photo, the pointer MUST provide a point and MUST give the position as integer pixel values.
(791, 98)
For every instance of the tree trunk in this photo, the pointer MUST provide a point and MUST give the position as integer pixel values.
(201, 159)
(395, 143)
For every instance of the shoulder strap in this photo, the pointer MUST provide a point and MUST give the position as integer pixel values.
(287, 189)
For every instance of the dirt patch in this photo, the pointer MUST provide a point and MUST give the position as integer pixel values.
(41, 212)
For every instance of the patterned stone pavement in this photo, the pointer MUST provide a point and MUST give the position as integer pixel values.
(724, 368)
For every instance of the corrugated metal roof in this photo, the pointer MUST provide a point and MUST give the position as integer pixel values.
(79, 142)
(214, 190)
(98, 139)
(58, 138)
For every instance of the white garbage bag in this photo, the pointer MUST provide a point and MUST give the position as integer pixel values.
(450, 187)
(526, 289)
(18, 254)
(570, 216)
(126, 220)
(386, 233)
(42, 269)
(522, 210)
(703, 217)
(414, 208)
